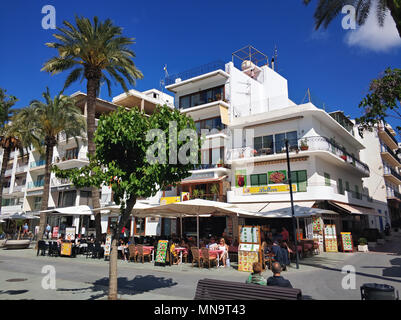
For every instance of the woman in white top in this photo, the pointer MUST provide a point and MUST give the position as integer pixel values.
(223, 246)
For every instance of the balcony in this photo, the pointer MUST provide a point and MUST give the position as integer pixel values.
(386, 136)
(68, 160)
(21, 168)
(19, 188)
(56, 182)
(8, 172)
(393, 195)
(301, 146)
(36, 184)
(392, 175)
(37, 164)
(389, 156)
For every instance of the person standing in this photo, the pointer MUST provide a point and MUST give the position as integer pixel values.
(48, 231)
(277, 280)
(25, 229)
(284, 234)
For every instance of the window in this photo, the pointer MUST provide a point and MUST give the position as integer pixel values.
(327, 181)
(300, 178)
(340, 186)
(279, 140)
(263, 145)
(267, 145)
(259, 179)
(67, 199)
(71, 154)
(347, 188)
(37, 203)
(202, 97)
(357, 194)
(209, 124)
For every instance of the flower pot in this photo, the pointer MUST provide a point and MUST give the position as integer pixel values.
(303, 148)
(363, 248)
(344, 158)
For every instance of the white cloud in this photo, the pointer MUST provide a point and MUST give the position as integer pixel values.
(372, 37)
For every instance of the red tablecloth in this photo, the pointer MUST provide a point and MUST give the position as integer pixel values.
(147, 249)
(308, 246)
(184, 250)
(232, 249)
(213, 252)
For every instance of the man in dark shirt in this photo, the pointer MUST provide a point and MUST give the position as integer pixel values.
(277, 279)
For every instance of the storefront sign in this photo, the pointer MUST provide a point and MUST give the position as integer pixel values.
(161, 254)
(249, 235)
(246, 259)
(197, 176)
(168, 200)
(70, 234)
(269, 189)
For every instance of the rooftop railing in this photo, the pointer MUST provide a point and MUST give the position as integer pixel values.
(194, 72)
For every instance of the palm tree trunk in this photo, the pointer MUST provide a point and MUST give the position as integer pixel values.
(92, 88)
(395, 9)
(6, 157)
(46, 188)
(113, 286)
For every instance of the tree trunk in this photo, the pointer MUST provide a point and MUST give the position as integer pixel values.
(6, 157)
(50, 143)
(92, 88)
(395, 10)
(113, 286)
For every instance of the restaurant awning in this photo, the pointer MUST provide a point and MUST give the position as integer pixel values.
(352, 209)
(204, 180)
(74, 210)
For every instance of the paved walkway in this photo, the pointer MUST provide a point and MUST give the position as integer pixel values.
(319, 277)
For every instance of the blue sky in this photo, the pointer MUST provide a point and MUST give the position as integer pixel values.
(335, 65)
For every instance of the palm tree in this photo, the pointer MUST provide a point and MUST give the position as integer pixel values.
(327, 10)
(9, 136)
(98, 53)
(44, 124)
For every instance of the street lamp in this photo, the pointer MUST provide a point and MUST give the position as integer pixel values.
(292, 203)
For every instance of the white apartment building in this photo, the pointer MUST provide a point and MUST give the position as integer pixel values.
(384, 181)
(24, 177)
(250, 99)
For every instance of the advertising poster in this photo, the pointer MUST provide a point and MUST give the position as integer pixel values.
(185, 196)
(70, 234)
(240, 178)
(276, 177)
(317, 224)
(249, 235)
(161, 253)
(55, 232)
(249, 247)
(66, 249)
(346, 240)
(107, 246)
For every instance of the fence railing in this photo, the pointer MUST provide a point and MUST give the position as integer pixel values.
(316, 143)
(385, 148)
(35, 164)
(194, 72)
(36, 184)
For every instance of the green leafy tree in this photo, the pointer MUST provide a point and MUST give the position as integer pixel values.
(382, 101)
(98, 53)
(44, 124)
(327, 10)
(125, 143)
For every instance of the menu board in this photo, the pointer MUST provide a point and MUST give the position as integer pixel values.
(249, 247)
(249, 235)
(107, 246)
(346, 241)
(161, 253)
(66, 249)
(70, 234)
(246, 260)
(330, 238)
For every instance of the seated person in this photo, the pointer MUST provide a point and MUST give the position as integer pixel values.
(223, 246)
(280, 254)
(174, 254)
(213, 244)
(123, 248)
(256, 276)
(277, 280)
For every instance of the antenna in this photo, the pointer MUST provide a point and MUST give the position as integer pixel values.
(274, 57)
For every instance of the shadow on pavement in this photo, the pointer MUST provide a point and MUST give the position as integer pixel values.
(394, 271)
(13, 292)
(137, 285)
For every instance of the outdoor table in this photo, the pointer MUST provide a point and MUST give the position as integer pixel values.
(216, 252)
(180, 251)
(151, 249)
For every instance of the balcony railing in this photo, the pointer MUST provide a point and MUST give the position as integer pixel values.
(21, 168)
(317, 143)
(388, 170)
(36, 184)
(19, 188)
(60, 182)
(385, 148)
(35, 164)
(206, 68)
(393, 194)
(209, 166)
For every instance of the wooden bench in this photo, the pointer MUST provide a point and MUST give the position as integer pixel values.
(211, 289)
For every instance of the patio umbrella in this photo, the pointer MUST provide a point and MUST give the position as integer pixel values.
(299, 211)
(192, 208)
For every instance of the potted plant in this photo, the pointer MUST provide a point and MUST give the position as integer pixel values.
(215, 191)
(201, 193)
(220, 163)
(363, 245)
(304, 145)
(195, 194)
